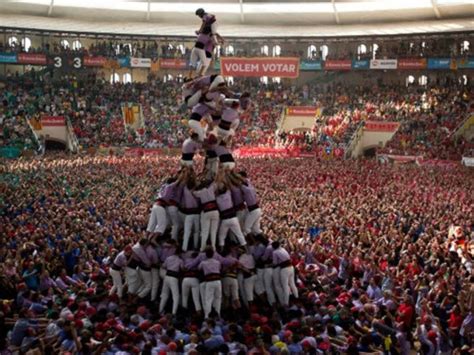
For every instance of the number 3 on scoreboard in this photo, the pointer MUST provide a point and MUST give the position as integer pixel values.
(58, 62)
(77, 63)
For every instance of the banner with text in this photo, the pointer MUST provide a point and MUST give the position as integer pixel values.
(140, 62)
(258, 67)
(53, 121)
(338, 64)
(466, 63)
(468, 161)
(439, 63)
(302, 111)
(412, 63)
(8, 58)
(173, 63)
(123, 62)
(375, 126)
(32, 58)
(266, 152)
(94, 61)
(360, 64)
(383, 64)
(311, 65)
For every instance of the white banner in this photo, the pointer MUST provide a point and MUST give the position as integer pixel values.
(383, 64)
(140, 62)
(467, 161)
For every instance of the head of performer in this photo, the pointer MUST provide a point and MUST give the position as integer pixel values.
(275, 244)
(262, 239)
(209, 252)
(143, 242)
(200, 12)
(194, 136)
(170, 180)
(128, 250)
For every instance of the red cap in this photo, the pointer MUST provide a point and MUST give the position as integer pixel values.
(141, 310)
(145, 325)
(90, 311)
(172, 346)
(128, 248)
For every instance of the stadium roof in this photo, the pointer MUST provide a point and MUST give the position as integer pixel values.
(243, 18)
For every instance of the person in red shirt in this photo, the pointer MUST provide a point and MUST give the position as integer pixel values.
(405, 313)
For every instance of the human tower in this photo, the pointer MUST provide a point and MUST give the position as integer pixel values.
(204, 232)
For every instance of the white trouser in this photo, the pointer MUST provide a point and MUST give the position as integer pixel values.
(252, 222)
(249, 287)
(231, 224)
(197, 55)
(170, 284)
(155, 282)
(287, 277)
(230, 288)
(194, 99)
(198, 129)
(191, 224)
(204, 65)
(259, 282)
(223, 133)
(212, 166)
(146, 283)
(241, 214)
(219, 79)
(202, 292)
(133, 280)
(230, 165)
(162, 273)
(158, 221)
(268, 283)
(213, 297)
(191, 284)
(117, 283)
(173, 212)
(209, 226)
(277, 285)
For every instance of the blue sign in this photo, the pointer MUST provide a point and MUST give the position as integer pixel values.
(123, 62)
(439, 63)
(361, 64)
(310, 65)
(8, 58)
(10, 152)
(466, 63)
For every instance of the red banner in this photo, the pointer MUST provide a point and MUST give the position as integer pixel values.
(412, 63)
(258, 67)
(375, 126)
(338, 65)
(53, 121)
(173, 63)
(32, 58)
(267, 151)
(95, 61)
(301, 111)
(447, 164)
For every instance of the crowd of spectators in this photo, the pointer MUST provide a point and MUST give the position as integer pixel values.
(428, 115)
(383, 257)
(411, 48)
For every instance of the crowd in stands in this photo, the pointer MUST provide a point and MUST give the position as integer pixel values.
(384, 260)
(411, 48)
(428, 115)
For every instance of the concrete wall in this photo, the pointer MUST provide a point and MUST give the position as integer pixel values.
(370, 140)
